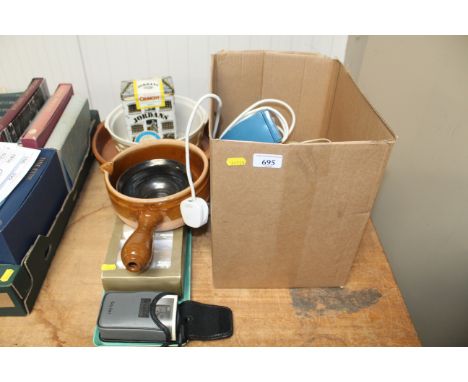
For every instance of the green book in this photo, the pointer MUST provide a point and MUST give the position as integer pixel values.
(70, 136)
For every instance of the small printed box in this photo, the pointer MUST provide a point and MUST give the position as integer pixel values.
(149, 108)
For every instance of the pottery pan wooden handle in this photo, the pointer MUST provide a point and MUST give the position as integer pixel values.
(137, 252)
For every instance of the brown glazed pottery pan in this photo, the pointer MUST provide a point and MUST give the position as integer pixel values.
(146, 215)
(104, 148)
(102, 145)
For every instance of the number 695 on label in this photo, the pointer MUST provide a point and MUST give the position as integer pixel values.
(267, 160)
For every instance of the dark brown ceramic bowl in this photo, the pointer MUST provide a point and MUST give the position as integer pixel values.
(147, 215)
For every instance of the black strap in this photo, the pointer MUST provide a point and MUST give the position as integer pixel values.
(157, 321)
(204, 322)
(196, 321)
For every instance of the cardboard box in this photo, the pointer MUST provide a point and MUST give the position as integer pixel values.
(20, 285)
(166, 272)
(299, 225)
(31, 207)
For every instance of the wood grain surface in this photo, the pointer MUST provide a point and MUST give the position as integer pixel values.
(368, 311)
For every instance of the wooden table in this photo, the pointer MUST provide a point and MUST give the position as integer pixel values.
(369, 311)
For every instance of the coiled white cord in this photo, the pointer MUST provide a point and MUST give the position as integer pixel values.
(194, 210)
(285, 128)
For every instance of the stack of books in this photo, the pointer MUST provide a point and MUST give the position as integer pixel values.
(39, 183)
(57, 125)
(21, 112)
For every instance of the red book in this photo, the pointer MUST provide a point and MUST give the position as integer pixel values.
(18, 117)
(42, 126)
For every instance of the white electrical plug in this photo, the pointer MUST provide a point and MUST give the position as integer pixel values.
(194, 212)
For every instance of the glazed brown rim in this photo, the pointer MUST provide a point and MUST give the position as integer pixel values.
(141, 146)
(96, 153)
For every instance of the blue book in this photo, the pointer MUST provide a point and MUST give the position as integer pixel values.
(9, 97)
(7, 100)
(32, 207)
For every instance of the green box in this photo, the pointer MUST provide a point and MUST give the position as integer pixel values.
(186, 296)
(11, 293)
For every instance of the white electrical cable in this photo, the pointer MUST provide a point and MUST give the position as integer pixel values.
(316, 140)
(187, 134)
(195, 210)
(285, 128)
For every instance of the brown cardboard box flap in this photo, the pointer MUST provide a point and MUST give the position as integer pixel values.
(299, 225)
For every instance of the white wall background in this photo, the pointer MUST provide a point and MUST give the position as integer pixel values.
(419, 85)
(95, 65)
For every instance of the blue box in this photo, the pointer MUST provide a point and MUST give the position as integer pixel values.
(32, 207)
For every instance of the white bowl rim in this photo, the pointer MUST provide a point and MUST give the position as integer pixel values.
(201, 110)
